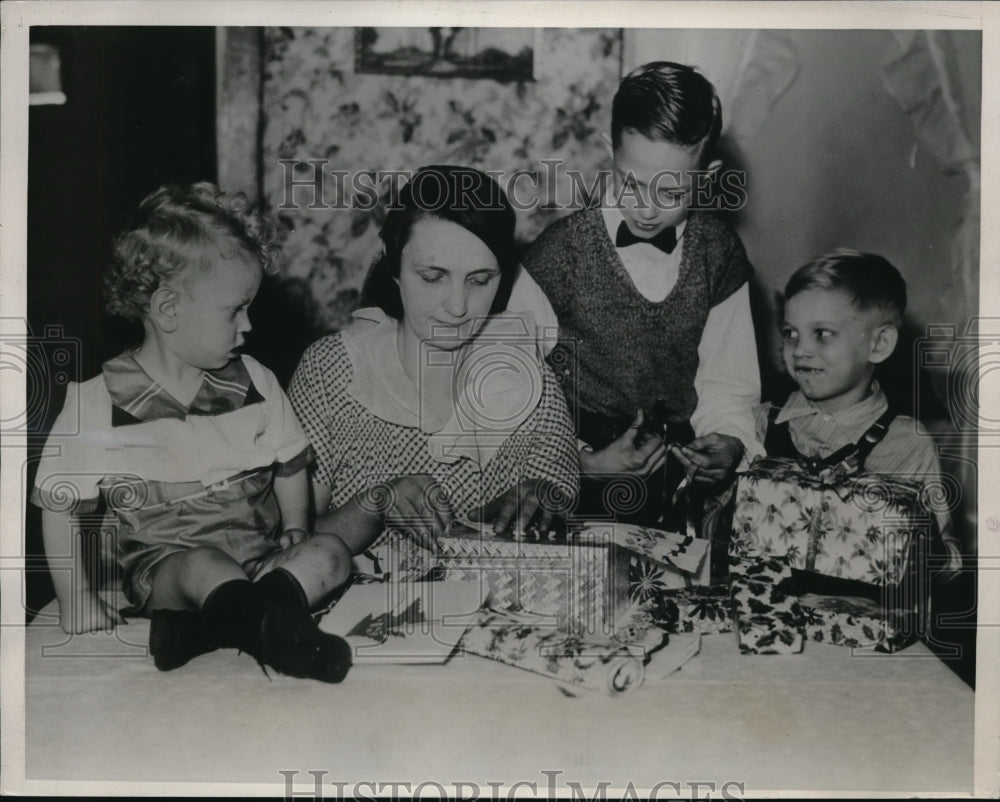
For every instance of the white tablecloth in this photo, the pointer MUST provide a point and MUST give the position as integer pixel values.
(97, 709)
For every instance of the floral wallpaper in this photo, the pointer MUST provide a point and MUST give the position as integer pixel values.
(316, 108)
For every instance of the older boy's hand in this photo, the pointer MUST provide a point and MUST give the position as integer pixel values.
(710, 460)
(621, 456)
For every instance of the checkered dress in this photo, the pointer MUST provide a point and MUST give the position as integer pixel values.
(357, 450)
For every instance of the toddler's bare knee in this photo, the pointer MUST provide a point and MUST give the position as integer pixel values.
(335, 556)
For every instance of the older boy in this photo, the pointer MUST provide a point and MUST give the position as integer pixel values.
(651, 302)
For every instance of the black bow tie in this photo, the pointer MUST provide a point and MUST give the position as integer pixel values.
(666, 240)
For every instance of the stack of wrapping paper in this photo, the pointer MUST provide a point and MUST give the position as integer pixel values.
(615, 665)
(774, 612)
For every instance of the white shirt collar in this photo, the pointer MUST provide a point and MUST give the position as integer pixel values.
(867, 409)
(504, 383)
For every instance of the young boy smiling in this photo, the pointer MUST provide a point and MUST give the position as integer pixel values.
(842, 317)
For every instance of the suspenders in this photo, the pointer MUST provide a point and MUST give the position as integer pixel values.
(845, 460)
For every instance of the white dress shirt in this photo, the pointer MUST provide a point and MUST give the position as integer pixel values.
(727, 381)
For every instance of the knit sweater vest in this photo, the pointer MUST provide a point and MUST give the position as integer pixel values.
(618, 351)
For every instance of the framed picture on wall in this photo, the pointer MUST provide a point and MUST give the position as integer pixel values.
(501, 54)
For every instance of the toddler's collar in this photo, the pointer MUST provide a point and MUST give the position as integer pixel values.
(136, 396)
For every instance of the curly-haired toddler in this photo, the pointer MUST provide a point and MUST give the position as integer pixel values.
(193, 448)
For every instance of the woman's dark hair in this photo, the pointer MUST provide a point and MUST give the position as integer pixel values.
(460, 195)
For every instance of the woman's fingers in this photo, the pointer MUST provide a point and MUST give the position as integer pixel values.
(510, 501)
(420, 505)
(529, 507)
(438, 506)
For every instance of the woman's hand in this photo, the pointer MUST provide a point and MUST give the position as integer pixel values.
(87, 613)
(519, 508)
(419, 506)
(711, 459)
(621, 456)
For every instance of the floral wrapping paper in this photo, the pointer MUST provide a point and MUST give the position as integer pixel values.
(704, 609)
(671, 550)
(856, 622)
(597, 664)
(768, 620)
(864, 527)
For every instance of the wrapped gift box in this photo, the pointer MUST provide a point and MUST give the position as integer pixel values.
(581, 582)
(868, 527)
(768, 620)
(775, 633)
(856, 622)
(582, 585)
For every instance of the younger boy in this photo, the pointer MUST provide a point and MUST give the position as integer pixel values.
(651, 303)
(196, 452)
(842, 317)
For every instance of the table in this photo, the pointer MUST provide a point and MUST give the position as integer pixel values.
(97, 709)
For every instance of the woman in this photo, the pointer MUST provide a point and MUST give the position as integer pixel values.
(427, 406)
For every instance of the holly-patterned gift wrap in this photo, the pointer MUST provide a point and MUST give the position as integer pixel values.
(868, 527)
(705, 609)
(856, 622)
(768, 620)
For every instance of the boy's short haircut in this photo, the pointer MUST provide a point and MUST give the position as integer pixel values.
(176, 229)
(870, 280)
(668, 102)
